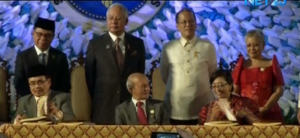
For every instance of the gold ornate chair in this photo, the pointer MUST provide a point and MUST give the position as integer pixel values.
(4, 92)
(80, 97)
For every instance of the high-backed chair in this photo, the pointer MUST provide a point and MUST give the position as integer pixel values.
(4, 82)
(158, 86)
(80, 97)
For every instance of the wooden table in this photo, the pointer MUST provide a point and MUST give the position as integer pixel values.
(84, 131)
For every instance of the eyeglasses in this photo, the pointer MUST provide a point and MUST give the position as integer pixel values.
(186, 22)
(39, 35)
(115, 19)
(39, 82)
(220, 86)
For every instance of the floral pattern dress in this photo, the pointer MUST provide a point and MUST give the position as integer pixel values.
(258, 84)
(245, 110)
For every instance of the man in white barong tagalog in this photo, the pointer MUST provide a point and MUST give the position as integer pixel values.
(186, 65)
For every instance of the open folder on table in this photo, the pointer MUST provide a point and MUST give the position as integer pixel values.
(266, 124)
(33, 120)
(221, 123)
(71, 123)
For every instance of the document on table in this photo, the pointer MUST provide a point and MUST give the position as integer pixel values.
(224, 104)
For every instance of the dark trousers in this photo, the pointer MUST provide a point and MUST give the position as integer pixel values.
(183, 122)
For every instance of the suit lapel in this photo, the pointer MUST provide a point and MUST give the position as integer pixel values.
(128, 50)
(32, 107)
(51, 58)
(33, 57)
(132, 113)
(150, 116)
(109, 48)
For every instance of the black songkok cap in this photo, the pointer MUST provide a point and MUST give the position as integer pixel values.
(37, 70)
(45, 24)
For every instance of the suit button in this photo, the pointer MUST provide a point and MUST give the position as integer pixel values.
(188, 61)
(118, 91)
(187, 71)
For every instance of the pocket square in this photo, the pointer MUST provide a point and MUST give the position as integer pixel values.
(134, 53)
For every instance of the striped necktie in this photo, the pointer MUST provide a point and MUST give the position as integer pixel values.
(41, 104)
(119, 55)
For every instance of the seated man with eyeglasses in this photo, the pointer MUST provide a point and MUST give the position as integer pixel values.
(243, 109)
(43, 101)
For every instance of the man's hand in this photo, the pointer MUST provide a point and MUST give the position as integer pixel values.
(18, 119)
(52, 109)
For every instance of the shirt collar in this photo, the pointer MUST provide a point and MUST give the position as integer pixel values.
(38, 51)
(45, 96)
(41, 97)
(135, 101)
(114, 37)
(184, 41)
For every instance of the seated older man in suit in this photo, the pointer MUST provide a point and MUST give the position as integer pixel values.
(140, 110)
(42, 101)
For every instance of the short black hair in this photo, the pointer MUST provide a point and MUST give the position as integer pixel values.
(226, 74)
(184, 10)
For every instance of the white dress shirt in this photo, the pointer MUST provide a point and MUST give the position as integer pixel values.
(38, 51)
(143, 106)
(121, 43)
(186, 68)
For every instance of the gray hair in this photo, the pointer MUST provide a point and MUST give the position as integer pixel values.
(256, 33)
(129, 83)
(123, 8)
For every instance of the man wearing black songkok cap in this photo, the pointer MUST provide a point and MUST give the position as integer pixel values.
(42, 53)
(43, 101)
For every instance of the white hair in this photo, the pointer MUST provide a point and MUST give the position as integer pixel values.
(256, 33)
(123, 8)
(129, 84)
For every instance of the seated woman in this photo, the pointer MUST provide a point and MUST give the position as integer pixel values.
(245, 110)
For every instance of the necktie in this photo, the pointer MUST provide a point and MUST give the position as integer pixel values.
(119, 54)
(40, 104)
(141, 114)
(43, 58)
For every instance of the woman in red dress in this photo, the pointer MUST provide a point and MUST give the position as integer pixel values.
(245, 110)
(259, 78)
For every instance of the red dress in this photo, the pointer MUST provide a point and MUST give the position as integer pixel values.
(258, 84)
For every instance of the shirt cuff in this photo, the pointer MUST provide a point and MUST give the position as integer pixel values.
(59, 115)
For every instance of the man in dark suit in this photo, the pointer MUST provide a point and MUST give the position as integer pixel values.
(42, 100)
(110, 59)
(140, 110)
(42, 53)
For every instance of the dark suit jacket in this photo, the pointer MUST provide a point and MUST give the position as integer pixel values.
(126, 113)
(106, 83)
(57, 64)
(27, 105)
